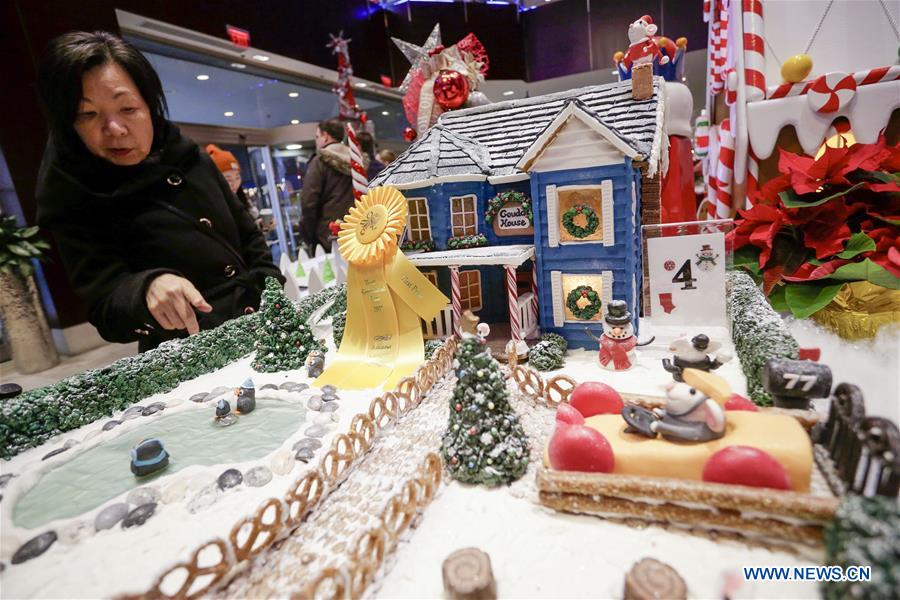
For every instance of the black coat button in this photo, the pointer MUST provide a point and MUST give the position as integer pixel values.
(230, 271)
(207, 222)
(174, 179)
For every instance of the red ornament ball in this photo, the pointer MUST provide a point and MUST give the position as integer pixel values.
(409, 134)
(669, 265)
(580, 448)
(473, 431)
(584, 293)
(594, 398)
(454, 460)
(745, 465)
(451, 89)
(458, 407)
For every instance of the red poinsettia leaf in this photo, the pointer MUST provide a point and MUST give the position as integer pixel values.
(771, 277)
(825, 238)
(864, 156)
(808, 271)
(893, 255)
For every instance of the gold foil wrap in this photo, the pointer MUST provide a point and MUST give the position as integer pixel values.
(859, 310)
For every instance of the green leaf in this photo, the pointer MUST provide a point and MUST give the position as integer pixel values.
(881, 176)
(792, 200)
(27, 232)
(806, 298)
(19, 250)
(857, 244)
(747, 257)
(867, 271)
(776, 298)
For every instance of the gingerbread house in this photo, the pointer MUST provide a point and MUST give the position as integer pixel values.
(542, 198)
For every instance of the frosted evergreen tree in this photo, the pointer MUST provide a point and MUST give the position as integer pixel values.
(484, 442)
(284, 340)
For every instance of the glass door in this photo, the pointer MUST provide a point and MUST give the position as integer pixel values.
(269, 195)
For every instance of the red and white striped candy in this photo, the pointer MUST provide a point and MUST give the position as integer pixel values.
(357, 170)
(754, 50)
(731, 86)
(831, 92)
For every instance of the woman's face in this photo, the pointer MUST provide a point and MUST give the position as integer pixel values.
(113, 120)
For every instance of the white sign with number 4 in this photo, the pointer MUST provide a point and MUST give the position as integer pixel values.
(687, 279)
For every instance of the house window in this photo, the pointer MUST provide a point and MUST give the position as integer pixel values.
(470, 289)
(431, 276)
(418, 227)
(462, 216)
(564, 285)
(580, 214)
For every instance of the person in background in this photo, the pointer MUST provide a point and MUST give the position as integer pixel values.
(327, 192)
(231, 171)
(386, 156)
(367, 145)
(152, 237)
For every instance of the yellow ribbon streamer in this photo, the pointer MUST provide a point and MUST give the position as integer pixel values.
(386, 296)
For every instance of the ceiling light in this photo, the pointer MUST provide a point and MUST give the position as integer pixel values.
(295, 121)
(362, 84)
(260, 57)
(508, 93)
(239, 65)
(293, 94)
(293, 146)
(202, 77)
(228, 113)
(385, 113)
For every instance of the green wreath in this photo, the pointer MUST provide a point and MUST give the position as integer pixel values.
(591, 309)
(575, 230)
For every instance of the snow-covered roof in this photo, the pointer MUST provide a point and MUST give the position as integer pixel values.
(489, 140)
(513, 255)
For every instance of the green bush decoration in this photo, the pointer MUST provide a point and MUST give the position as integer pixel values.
(545, 356)
(431, 346)
(338, 322)
(557, 339)
(759, 333)
(467, 241)
(865, 532)
(484, 442)
(35, 416)
(283, 338)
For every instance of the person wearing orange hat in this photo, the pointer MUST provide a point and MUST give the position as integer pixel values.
(231, 170)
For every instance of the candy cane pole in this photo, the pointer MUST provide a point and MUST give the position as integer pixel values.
(456, 300)
(754, 51)
(534, 291)
(512, 292)
(357, 170)
(725, 171)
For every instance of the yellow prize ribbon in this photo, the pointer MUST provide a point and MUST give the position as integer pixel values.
(386, 296)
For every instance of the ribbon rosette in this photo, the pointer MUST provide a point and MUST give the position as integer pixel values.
(386, 297)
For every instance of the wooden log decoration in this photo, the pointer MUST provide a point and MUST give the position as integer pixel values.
(468, 575)
(650, 579)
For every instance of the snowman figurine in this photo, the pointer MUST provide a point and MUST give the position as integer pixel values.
(697, 352)
(617, 343)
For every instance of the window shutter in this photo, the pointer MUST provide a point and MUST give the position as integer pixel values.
(607, 287)
(552, 217)
(609, 225)
(633, 205)
(559, 314)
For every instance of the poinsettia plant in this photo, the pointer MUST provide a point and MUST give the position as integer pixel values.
(822, 223)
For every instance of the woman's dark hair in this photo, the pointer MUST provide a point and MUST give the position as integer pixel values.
(73, 54)
(366, 143)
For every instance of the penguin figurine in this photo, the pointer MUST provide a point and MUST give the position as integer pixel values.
(695, 353)
(223, 408)
(246, 397)
(149, 456)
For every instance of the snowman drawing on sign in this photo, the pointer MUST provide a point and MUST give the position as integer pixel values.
(706, 258)
(617, 343)
(697, 352)
(642, 47)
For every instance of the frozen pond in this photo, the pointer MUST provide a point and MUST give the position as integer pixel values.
(101, 473)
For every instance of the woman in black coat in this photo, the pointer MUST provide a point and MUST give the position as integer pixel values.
(152, 238)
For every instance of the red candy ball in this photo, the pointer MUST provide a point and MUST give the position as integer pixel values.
(451, 89)
(738, 402)
(594, 398)
(568, 415)
(580, 448)
(409, 134)
(745, 465)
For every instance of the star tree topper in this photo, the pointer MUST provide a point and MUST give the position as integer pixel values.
(416, 54)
